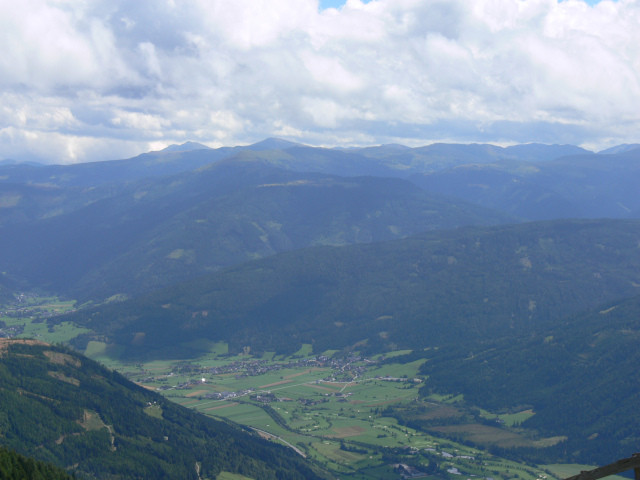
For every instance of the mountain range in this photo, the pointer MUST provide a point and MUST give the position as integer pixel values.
(513, 271)
(575, 186)
(155, 232)
(167, 216)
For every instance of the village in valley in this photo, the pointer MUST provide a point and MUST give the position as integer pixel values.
(27, 314)
(337, 409)
(357, 416)
(347, 370)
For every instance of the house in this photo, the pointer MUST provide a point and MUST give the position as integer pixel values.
(409, 472)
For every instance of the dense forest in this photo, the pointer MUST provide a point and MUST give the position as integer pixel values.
(580, 377)
(151, 233)
(14, 466)
(426, 290)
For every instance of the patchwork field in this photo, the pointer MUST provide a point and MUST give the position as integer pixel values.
(334, 412)
(483, 434)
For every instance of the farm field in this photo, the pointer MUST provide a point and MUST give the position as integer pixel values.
(231, 476)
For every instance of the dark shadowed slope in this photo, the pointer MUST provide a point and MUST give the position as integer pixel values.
(426, 290)
(580, 377)
(157, 232)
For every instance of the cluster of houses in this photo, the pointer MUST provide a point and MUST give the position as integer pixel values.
(17, 310)
(10, 332)
(398, 379)
(407, 471)
(256, 367)
(341, 367)
(308, 402)
(226, 395)
(449, 455)
(249, 368)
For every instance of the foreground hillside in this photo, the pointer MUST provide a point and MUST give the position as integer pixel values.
(426, 290)
(14, 466)
(58, 406)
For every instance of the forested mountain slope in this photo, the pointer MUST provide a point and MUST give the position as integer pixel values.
(426, 290)
(579, 376)
(158, 232)
(58, 406)
(126, 227)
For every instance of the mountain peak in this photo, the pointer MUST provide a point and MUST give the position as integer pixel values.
(185, 147)
(396, 146)
(625, 147)
(273, 144)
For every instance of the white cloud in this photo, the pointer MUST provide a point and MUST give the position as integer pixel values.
(96, 79)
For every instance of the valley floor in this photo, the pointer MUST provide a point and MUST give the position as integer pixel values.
(354, 416)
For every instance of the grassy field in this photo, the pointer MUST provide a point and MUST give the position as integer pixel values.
(231, 476)
(516, 418)
(51, 334)
(32, 312)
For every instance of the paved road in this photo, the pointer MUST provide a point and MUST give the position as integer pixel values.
(298, 451)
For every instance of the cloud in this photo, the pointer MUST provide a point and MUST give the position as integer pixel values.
(95, 79)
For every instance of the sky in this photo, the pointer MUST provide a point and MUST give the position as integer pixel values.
(339, 3)
(87, 80)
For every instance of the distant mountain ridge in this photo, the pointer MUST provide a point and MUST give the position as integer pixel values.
(158, 232)
(625, 147)
(97, 215)
(185, 147)
(394, 160)
(9, 161)
(577, 186)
